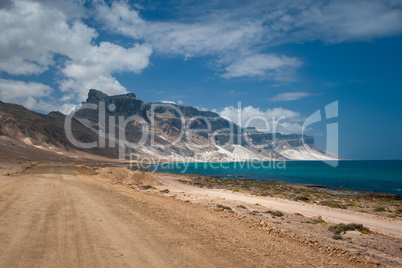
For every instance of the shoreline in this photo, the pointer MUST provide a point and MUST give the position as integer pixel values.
(339, 190)
(228, 184)
(115, 216)
(252, 177)
(281, 214)
(295, 212)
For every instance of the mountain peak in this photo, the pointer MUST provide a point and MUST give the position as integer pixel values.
(95, 96)
(128, 95)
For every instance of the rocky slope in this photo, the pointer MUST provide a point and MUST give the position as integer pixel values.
(126, 127)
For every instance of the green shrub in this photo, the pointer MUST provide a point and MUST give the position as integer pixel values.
(337, 237)
(224, 207)
(343, 228)
(302, 198)
(275, 213)
(332, 204)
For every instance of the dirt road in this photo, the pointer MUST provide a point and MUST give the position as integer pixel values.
(55, 215)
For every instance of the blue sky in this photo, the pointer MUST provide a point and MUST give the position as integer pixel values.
(288, 58)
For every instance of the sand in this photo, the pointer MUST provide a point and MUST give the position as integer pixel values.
(62, 214)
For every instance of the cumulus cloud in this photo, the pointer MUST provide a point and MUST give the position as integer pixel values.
(121, 18)
(32, 34)
(228, 39)
(94, 70)
(289, 96)
(238, 35)
(27, 93)
(276, 119)
(39, 35)
(42, 35)
(46, 106)
(13, 90)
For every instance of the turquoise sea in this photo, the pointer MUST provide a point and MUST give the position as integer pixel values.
(376, 176)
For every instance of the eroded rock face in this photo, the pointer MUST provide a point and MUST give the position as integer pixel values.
(19, 123)
(170, 124)
(96, 96)
(126, 104)
(172, 129)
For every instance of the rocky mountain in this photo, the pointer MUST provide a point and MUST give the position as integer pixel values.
(126, 127)
(33, 128)
(24, 130)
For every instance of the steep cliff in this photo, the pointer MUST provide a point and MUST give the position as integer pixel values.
(176, 131)
(126, 127)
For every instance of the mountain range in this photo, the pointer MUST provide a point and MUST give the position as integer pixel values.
(125, 127)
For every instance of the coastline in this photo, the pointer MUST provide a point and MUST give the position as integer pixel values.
(355, 175)
(276, 209)
(281, 213)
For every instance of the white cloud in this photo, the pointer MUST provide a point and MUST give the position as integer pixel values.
(121, 18)
(340, 21)
(39, 35)
(78, 88)
(168, 102)
(263, 120)
(12, 90)
(289, 96)
(172, 102)
(228, 39)
(203, 36)
(261, 65)
(94, 70)
(200, 39)
(34, 33)
(205, 109)
(46, 106)
(239, 35)
(27, 93)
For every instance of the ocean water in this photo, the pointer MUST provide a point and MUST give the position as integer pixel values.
(376, 176)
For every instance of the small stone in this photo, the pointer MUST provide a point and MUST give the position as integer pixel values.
(317, 218)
